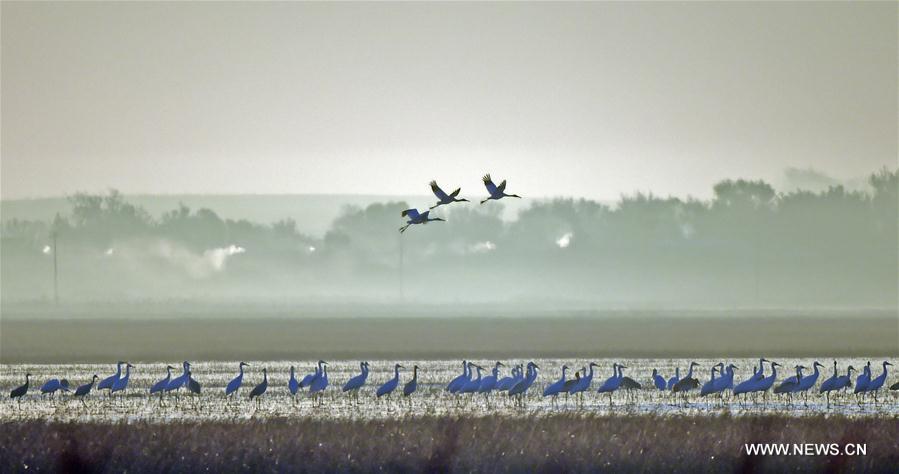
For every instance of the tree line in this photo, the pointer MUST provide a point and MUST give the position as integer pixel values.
(747, 245)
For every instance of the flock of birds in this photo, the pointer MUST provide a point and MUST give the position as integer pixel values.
(476, 380)
(415, 217)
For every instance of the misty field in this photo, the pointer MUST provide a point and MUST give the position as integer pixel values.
(556, 443)
(106, 333)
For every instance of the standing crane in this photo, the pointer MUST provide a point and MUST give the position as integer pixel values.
(160, 386)
(260, 389)
(862, 382)
(391, 384)
(584, 383)
(553, 389)
(510, 380)
(293, 385)
(520, 389)
(836, 383)
(19, 392)
(460, 380)
(121, 384)
(489, 382)
(612, 383)
(180, 380)
(809, 381)
(687, 383)
(54, 385)
(83, 390)
(674, 379)
(658, 380)
(355, 384)
(236, 382)
(319, 384)
(875, 384)
(411, 385)
(108, 381)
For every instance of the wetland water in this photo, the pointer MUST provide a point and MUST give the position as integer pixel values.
(431, 398)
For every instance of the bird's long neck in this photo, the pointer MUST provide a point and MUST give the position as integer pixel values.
(690, 372)
(168, 372)
(835, 369)
(396, 372)
(415, 374)
(292, 371)
(495, 371)
(564, 369)
(118, 370)
(816, 371)
(677, 372)
(884, 369)
(241, 370)
(774, 371)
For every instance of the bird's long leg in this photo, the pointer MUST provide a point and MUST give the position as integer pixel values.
(403, 228)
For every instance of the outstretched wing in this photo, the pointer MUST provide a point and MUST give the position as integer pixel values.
(488, 183)
(438, 192)
(502, 186)
(411, 213)
(455, 193)
(424, 215)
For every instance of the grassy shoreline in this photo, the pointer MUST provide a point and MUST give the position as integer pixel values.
(449, 444)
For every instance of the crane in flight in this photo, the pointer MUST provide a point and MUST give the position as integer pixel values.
(443, 197)
(496, 192)
(416, 218)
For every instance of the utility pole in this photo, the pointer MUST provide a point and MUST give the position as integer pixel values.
(55, 273)
(402, 283)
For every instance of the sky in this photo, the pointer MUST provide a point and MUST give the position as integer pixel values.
(589, 100)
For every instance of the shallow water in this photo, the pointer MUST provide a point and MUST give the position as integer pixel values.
(430, 398)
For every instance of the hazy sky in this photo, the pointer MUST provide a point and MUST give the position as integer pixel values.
(562, 99)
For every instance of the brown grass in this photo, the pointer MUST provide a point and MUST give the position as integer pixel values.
(489, 444)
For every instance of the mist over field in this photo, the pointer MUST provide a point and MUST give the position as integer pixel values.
(749, 246)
